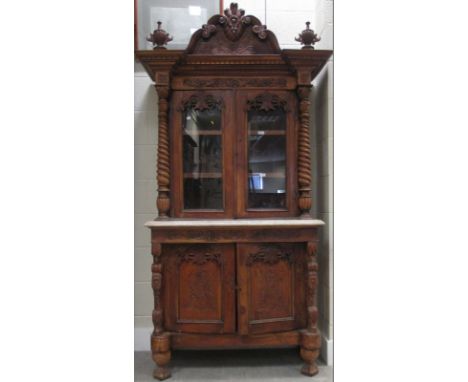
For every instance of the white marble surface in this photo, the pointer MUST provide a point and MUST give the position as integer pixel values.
(235, 223)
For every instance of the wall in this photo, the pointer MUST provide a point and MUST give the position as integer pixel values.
(286, 19)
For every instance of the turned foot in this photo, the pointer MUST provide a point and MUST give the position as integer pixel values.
(160, 347)
(310, 349)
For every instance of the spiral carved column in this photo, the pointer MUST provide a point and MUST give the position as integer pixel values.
(310, 338)
(303, 161)
(160, 341)
(163, 176)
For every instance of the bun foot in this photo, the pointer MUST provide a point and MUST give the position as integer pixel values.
(161, 373)
(160, 347)
(309, 369)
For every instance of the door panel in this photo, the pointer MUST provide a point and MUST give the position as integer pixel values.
(271, 284)
(199, 288)
(267, 154)
(202, 154)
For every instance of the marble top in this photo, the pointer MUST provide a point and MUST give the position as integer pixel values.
(294, 222)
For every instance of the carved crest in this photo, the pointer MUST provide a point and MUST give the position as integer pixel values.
(201, 102)
(267, 102)
(233, 32)
(271, 254)
(235, 22)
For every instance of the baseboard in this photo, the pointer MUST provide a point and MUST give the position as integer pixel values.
(142, 340)
(142, 343)
(326, 351)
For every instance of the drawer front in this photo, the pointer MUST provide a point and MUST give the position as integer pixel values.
(271, 282)
(198, 288)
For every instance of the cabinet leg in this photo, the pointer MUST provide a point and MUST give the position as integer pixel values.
(161, 351)
(310, 350)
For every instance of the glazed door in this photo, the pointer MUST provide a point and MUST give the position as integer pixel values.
(271, 283)
(267, 154)
(199, 288)
(202, 155)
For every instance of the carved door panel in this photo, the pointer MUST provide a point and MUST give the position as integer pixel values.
(271, 282)
(199, 288)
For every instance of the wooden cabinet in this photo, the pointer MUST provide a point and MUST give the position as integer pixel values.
(234, 244)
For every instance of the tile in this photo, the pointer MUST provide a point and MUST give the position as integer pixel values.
(144, 300)
(146, 127)
(143, 261)
(322, 159)
(145, 162)
(145, 97)
(325, 194)
(287, 31)
(252, 7)
(290, 5)
(326, 37)
(142, 233)
(139, 70)
(143, 322)
(145, 193)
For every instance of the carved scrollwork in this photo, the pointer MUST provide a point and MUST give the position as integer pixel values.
(199, 255)
(233, 32)
(201, 102)
(156, 284)
(267, 102)
(235, 82)
(271, 254)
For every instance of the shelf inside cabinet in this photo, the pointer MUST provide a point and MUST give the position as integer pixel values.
(269, 174)
(202, 175)
(267, 132)
(202, 132)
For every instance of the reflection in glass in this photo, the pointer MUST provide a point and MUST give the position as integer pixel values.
(202, 159)
(194, 14)
(267, 159)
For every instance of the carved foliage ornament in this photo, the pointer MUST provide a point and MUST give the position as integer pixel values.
(235, 83)
(267, 102)
(200, 258)
(233, 22)
(271, 255)
(202, 102)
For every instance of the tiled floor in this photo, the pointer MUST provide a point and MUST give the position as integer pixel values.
(272, 365)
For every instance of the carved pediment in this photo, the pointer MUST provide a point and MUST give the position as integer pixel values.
(233, 33)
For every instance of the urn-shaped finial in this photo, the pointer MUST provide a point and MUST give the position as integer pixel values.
(307, 37)
(159, 37)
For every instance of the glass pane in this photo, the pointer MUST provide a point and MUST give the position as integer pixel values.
(267, 159)
(180, 18)
(202, 150)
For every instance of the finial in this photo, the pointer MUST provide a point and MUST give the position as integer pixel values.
(307, 37)
(159, 37)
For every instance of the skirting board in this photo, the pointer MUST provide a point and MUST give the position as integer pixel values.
(142, 343)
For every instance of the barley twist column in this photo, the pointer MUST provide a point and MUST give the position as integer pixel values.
(163, 175)
(303, 160)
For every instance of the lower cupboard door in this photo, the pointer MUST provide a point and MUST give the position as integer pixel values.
(271, 283)
(198, 282)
